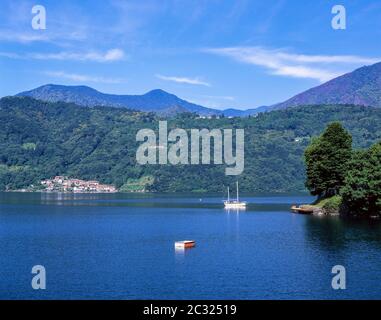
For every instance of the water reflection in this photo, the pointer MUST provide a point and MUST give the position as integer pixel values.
(233, 216)
(235, 210)
(335, 233)
(181, 253)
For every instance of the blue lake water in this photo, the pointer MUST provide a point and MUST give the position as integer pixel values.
(122, 247)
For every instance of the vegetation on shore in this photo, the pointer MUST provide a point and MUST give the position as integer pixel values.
(137, 185)
(330, 205)
(346, 181)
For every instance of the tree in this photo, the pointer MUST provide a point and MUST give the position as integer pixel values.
(362, 190)
(327, 160)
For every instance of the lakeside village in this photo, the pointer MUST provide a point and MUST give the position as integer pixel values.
(65, 184)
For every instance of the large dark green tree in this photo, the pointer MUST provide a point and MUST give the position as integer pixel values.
(327, 159)
(362, 190)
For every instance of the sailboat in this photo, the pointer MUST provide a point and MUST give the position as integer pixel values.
(234, 204)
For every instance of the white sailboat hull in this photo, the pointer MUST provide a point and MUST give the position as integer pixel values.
(234, 205)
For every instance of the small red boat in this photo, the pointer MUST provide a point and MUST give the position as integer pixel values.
(185, 244)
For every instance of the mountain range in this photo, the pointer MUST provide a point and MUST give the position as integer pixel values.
(157, 100)
(360, 87)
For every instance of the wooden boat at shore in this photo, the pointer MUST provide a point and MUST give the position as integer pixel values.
(302, 209)
(185, 244)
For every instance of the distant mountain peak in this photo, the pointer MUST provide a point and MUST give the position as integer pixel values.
(359, 87)
(156, 100)
(158, 92)
(161, 94)
(59, 87)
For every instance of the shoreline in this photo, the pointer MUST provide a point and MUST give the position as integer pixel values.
(258, 193)
(58, 192)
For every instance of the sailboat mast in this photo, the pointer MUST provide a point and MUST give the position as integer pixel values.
(228, 195)
(237, 193)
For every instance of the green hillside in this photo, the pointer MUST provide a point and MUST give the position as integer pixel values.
(39, 140)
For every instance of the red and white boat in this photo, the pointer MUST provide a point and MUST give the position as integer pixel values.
(185, 244)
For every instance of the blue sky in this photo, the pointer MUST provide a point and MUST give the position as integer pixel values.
(240, 53)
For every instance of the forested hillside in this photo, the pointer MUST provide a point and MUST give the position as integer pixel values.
(39, 140)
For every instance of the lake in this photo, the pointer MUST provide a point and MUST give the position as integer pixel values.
(121, 246)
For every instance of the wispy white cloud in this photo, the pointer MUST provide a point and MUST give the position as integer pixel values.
(281, 62)
(22, 37)
(108, 56)
(82, 78)
(327, 59)
(11, 55)
(193, 81)
(29, 37)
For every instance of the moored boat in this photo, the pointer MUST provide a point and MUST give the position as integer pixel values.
(185, 244)
(302, 209)
(234, 204)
